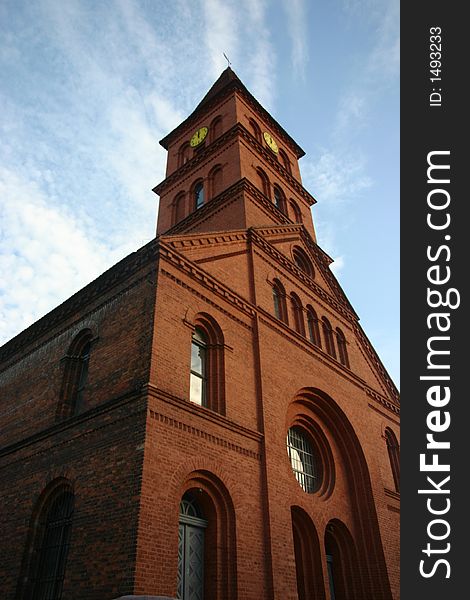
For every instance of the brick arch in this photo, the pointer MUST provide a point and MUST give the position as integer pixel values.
(322, 408)
(220, 561)
(35, 531)
(307, 552)
(340, 550)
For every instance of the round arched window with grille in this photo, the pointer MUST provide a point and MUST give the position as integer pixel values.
(303, 460)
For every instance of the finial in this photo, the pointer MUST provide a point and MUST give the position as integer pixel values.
(227, 59)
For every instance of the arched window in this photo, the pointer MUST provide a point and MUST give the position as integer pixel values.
(342, 348)
(302, 261)
(49, 542)
(255, 130)
(216, 128)
(313, 328)
(341, 562)
(198, 380)
(285, 160)
(191, 534)
(207, 548)
(74, 381)
(307, 554)
(264, 183)
(279, 300)
(179, 208)
(216, 181)
(279, 199)
(298, 313)
(297, 215)
(302, 459)
(328, 337)
(198, 193)
(394, 456)
(184, 154)
(207, 373)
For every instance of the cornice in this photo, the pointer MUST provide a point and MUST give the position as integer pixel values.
(114, 276)
(130, 397)
(203, 413)
(238, 130)
(234, 86)
(377, 363)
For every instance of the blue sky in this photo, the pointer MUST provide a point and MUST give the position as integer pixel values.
(88, 88)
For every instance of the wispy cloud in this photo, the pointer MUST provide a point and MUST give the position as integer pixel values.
(296, 14)
(88, 93)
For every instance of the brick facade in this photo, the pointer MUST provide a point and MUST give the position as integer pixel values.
(130, 445)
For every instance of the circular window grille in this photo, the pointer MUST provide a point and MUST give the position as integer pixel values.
(302, 459)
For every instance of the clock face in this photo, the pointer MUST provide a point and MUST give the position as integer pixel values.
(198, 137)
(270, 142)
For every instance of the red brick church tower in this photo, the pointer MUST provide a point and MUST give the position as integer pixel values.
(206, 420)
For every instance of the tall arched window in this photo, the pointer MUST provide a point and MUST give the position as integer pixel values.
(302, 261)
(207, 373)
(216, 181)
(184, 154)
(313, 328)
(285, 160)
(216, 128)
(191, 534)
(328, 337)
(198, 379)
(264, 183)
(394, 456)
(297, 215)
(298, 313)
(74, 381)
(50, 539)
(279, 300)
(307, 557)
(198, 193)
(255, 130)
(179, 208)
(279, 199)
(341, 562)
(342, 348)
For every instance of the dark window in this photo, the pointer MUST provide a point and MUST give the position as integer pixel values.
(256, 131)
(394, 456)
(296, 212)
(198, 195)
(84, 360)
(342, 348)
(52, 549)
(298, 314)
(184, 154)
(313, 328)
(74, 382)
(279, 300)
(328, 336)
(264, 183)
(302, 261)
(285, 160)
(279, 200)
(198, 380)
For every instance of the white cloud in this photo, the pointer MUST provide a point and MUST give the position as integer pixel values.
(295, 11)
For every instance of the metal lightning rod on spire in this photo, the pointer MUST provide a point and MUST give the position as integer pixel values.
(227, 59)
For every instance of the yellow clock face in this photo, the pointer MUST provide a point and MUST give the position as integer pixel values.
(270, 141)
(198, 137)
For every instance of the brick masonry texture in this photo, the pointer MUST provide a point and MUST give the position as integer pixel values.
(136, 444)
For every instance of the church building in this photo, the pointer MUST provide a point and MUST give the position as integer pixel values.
(207, 419)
